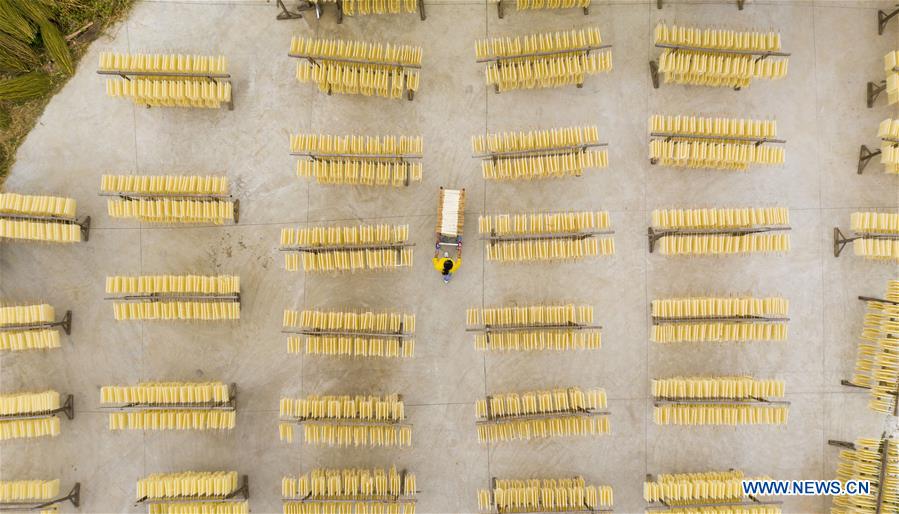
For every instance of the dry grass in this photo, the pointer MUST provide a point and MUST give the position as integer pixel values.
(72, 15)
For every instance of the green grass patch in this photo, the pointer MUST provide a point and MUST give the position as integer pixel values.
(41, 41)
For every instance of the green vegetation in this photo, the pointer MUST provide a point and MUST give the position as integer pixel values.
(40, 43)
(25, 87)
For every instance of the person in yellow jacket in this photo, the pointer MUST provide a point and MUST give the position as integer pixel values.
(447, 266)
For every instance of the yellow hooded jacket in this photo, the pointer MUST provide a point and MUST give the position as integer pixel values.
(438, 264)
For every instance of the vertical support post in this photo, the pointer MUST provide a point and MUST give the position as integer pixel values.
(884, 463)
(493, 491)
(658, 4)
(409, 94)
(499, 8)
(421, 10)
(236, 211)
(740, 4)
(339, 11)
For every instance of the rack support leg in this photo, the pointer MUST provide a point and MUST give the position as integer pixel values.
(74, 495)
(67, 323)
(883, 18)
(652, 239)
(285, 14)
(68, 408)
(499, 8)
(654, 73)
(86, 229)
(841, 444)
(421, 10)
(874, 90)
(864, 155)
(839, 241)
(244, 491)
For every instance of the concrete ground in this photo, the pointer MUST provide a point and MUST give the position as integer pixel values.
(820, 109)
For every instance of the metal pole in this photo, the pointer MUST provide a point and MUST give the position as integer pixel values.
(313, 58)
(758, 140)
(763, 53)
(543, 54)
(561, 150)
